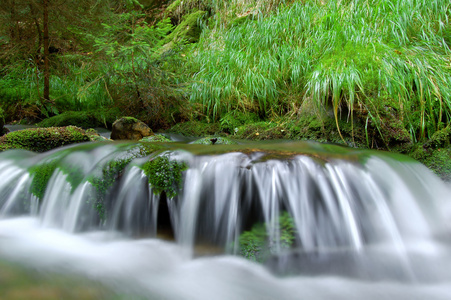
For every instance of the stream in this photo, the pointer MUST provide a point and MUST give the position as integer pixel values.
(279, 220)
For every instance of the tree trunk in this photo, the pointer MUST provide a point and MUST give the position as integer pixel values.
(46, 52)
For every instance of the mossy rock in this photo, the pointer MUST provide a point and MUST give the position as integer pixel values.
(155, 138)
(129, 128)
(439, 139)
(188, 30)
(435, 153)
(165, 175)
(214, 141)
(43, 139)
(83, 119)
(94, 136)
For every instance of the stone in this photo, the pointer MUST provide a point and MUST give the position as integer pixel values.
(128, 128)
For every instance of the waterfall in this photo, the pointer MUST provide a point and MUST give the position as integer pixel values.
(327, 212)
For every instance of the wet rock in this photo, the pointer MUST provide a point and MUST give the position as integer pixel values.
(215, 141)
(128, 128)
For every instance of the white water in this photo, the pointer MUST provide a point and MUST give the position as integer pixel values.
(375, 231)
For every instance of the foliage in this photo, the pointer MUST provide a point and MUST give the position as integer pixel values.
(195, 128)
(165, 175)
(256, 244)
(43, 139)
(141, 81)
(347, 55)
(111, 172)
(234, 119)
(84, 119)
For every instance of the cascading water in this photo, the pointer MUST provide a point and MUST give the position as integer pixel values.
(320, 221)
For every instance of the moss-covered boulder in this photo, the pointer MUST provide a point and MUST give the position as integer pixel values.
(128, 128)
(436, 153)
(43, 139)
(188, 30)
(215, 141)
(155, 138)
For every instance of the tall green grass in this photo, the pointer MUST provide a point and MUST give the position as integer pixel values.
(339, 54)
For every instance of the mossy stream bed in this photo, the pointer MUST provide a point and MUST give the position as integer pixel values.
(19, 283)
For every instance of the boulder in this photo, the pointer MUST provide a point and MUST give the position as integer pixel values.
(43, 139)
(128, 128)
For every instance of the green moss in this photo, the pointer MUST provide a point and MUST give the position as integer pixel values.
(215, 141)
(164, 175)
(255, 243)
(172, 7)
(83, 119)
(195, 128)
(439, 139)
(112, 172)
(43, 139)
(234, 119)
(41, 174)
(436, 153)
(155, 138)
(129, 120)
(188, 30)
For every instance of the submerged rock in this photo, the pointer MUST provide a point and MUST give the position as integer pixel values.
(128, 128)
(215, 141)
(43, 139)
(155, 138)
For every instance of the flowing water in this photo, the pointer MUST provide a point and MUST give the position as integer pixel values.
(314, 221)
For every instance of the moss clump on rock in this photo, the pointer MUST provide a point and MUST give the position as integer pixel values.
(155, 138)
(111, 172)
(165, 175)
(215, 141)
(188, 30)
(43, 139)
(436, 153)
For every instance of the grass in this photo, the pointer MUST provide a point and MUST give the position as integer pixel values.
(345, 56)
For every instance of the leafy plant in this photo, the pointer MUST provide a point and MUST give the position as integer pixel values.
(257, 244)
(164, 175)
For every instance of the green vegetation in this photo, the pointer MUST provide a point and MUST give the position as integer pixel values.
(112, 171)
(83, 119)
(355, 57)
(165, 175)
(43, 139)
(255, 244)
(155, 138)
(372, 73)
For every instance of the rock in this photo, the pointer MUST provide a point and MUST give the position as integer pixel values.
(43, 139)
(214, 141)
(128, 128)
(94, 136)
(155, 138)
